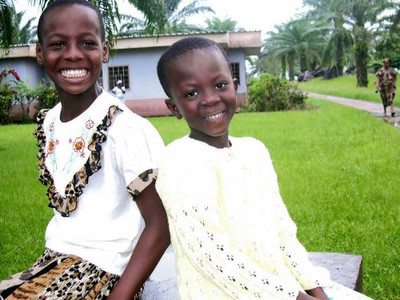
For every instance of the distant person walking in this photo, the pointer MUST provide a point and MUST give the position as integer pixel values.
(119, 91)
(386, 85)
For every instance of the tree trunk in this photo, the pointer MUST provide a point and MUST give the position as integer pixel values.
(291, 65)
(283, 67)
(361, 57)
(339, 55)
(303, 60)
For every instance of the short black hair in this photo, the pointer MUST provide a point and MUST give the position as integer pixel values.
(178, 49)
(58, 3)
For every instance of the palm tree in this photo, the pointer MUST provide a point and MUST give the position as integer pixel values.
(216, 24)
(24, 34)
(296, 39)
(362, 13)
(164, 16)
(331, 15)
(6, 23)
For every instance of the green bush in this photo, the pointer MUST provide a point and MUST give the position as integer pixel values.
(8, 91)
(271, 93)
(46, 95)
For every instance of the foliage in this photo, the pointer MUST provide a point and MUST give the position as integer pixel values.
(270, 93)
(330, 16)
(6, 23)
(8, 92)
(349, 31)
(46, 95)
(216, 24)
(15, 92)
(166, 16)
(297, 40)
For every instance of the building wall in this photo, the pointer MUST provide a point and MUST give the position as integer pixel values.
(145, 94)
(27, 68)
(143, 80)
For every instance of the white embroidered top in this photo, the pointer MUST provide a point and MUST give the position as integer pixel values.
(230, 229)
(106, 225)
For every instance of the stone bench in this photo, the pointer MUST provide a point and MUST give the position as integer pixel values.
(345, 269)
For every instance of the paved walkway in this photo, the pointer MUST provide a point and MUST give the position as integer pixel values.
(373, 108)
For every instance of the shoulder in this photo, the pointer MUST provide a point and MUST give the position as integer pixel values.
(248, 144)
(179, 145)
(125, 123)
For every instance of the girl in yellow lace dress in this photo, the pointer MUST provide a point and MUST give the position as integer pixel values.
(231, 232)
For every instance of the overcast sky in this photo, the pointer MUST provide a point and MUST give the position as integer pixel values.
(250, 14)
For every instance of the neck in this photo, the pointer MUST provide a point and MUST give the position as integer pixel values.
(217, 142)
(74, 105)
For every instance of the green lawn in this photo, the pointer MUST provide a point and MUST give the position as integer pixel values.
(337, 169)
(344, 86)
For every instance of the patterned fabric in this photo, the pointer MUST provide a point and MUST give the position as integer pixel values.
(56, 276)
(66, 204)
(387, 87)
(231, 231)
(141, 182)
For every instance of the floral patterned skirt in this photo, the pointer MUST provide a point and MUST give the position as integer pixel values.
(59, 276)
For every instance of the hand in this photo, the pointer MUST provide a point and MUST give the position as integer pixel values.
(318, 293)
(304, 296)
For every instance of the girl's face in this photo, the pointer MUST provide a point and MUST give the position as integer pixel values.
(203, 93)
(72, 51)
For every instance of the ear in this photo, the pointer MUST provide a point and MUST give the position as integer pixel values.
(105, 52)
(39, 54)
(173, 108)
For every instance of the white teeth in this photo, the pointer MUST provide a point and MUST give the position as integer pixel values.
(213, 117)
(74, 73)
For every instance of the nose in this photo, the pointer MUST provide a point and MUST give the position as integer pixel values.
(73, 53)
(210, 97)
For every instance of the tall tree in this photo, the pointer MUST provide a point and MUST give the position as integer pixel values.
(217, 24)
(331, 15)
(6, 23)
(166, 16)
(296, 39)
(363, 13)
(24, 34)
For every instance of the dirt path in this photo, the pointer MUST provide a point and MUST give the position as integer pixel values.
(373, 108)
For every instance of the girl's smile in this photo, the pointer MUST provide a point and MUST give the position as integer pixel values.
(72, 52)
(70, 74)
(204, 93)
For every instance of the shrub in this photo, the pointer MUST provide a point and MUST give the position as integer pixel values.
(8, 91)
(46, 95)
(270, 93)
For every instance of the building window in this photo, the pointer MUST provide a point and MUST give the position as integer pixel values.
(118, 73)
(235, 71)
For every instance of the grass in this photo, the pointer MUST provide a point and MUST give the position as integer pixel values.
(337, 169)
(344, 86)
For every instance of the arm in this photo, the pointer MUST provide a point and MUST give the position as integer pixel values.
(377, 82)
(318, 293)
(150, 247)
(292, 251)
(304, 296)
